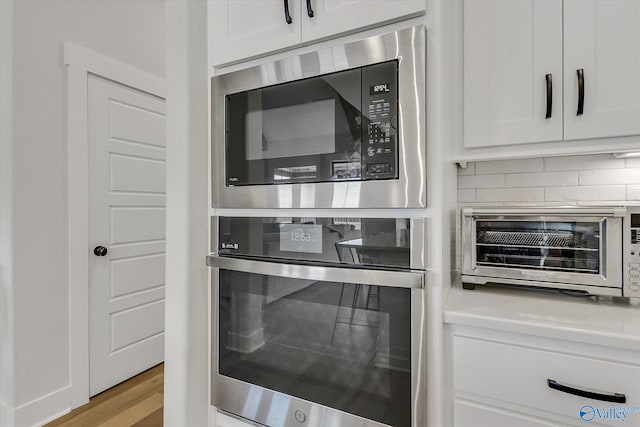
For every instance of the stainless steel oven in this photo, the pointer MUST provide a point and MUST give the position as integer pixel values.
(571, 248)
(342, 127)
(319, 321)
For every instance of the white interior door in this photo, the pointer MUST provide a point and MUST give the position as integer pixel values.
(126, 137)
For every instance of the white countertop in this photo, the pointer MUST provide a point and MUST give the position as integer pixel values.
(604, 321)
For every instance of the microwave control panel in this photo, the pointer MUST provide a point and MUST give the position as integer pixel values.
(632, 253)
(380, 113)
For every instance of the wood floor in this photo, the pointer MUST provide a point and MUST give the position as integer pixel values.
(137, 402)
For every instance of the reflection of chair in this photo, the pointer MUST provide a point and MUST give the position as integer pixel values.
(371, 296)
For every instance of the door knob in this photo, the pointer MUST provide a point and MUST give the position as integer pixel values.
(100, 251)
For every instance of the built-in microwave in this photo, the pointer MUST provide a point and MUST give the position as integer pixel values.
(341, 127)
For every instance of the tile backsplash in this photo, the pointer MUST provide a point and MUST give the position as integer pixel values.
(573, 180)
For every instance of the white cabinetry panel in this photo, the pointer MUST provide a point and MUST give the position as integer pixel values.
(242, 29)
(518, 375)
(603, 39)
(509, 48)
(333, 17)
(245, 28)
(468, 414)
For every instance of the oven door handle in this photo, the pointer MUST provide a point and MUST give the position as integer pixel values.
(394, 279)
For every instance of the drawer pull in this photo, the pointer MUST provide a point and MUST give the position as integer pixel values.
(615, 397)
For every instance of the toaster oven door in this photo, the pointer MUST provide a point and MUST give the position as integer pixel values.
(543, 250)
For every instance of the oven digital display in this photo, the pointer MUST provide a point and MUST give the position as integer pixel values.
(301, 238)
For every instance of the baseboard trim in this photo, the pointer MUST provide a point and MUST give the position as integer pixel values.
(44, 409)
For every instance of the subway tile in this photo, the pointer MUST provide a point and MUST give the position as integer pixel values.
(510, 195)
(509, 166)
(542, 179)
(575, 163)
(610, 176)
(467, 195)
(632, 162)
(538, 203)
(633, 192)
(469, 170)
(481, 181)
(585, 193)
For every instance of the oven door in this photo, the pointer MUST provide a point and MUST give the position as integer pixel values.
(341, 127)
(330, 346)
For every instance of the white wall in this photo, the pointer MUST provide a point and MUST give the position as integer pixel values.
(186, 297)
(6, 288)
(131, 31)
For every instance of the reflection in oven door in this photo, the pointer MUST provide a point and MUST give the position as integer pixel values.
(346, 346)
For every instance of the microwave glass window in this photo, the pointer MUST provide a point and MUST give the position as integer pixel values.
(291, 131)
(539, 245)
(334, 127)
(346, 346)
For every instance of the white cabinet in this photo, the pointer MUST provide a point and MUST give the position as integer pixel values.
(245, 28)
(602, 38)
(241, 29)
(333, 17)
(515, 380)
(470, 414)
(509, 49)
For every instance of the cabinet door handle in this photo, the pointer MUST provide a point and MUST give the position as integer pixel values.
(580, 74)
(287, 15)
(309, 9)
(549, 95)
(614, 397)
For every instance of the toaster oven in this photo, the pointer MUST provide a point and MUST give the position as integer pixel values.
(570, 248)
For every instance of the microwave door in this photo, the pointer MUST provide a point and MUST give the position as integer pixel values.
(295, 132)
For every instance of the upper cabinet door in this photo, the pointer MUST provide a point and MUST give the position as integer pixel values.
(602, 38)
(512, 70)
(240, 29)
(332, 17)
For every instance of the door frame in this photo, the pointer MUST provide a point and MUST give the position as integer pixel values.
(79, 63)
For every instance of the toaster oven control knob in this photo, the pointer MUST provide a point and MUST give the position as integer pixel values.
(100, 251)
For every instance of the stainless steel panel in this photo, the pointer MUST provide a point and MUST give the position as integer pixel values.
(418, 242)
(409, 191)
(611, 242)
(398, 279)
(593, 290)
(631, 257)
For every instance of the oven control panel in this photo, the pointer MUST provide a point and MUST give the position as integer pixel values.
(632, 253)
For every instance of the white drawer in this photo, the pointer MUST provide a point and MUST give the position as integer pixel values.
(468, 414)
(519, 375)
